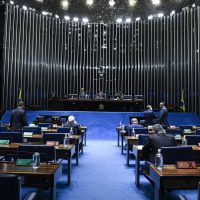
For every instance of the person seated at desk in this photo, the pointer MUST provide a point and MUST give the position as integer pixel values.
(134, 124)
(82, 92)
(156, 141)
(100, 95)
(149, 116)
(71, 122)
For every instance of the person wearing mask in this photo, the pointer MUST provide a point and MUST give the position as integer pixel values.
(18, 117)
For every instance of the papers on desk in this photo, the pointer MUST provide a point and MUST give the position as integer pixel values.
(177, 136)
(28, 134)
(44, 128)
(187, 131)
(32, 125)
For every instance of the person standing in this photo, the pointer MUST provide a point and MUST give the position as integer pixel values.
(149, 116)
(18, 117)
(163, 115)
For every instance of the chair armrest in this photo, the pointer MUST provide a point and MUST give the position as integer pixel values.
(31, 196)
(181, 197)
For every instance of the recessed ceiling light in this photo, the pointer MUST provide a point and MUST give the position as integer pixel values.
(150, 17)
(67, 18)
(132, 2)
(111, 3)
(45, 12)
(75, 19)
(89, 2)
(64, 4)
(119, 20)
(155, 2)
(24, 7)
(160, 14)
(12, 2)
(137, 19)
(57, 16)
(41, 1)
(193, 5)
(172, 13)
(85, 20)
(128, 20)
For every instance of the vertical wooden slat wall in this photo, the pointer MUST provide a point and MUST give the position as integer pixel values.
(45, 55)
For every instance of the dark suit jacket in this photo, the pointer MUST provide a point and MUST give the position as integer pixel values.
(155, 142)
(149, 117)
(163, 116)
(18, 119)
(73, 125)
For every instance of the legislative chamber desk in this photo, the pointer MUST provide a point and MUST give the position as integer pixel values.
(172, 178)
(62, 152)
(96, 105)
(46, 176)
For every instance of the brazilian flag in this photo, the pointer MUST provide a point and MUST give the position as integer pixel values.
(182, 102)
(20, 95)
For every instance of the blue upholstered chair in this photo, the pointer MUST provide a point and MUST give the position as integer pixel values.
(63, 120)
(10, 186)
(173, 154)
(186, 127)
(34, 130)
(14, 137)
(48, 125)
(3, 128)
(193, 139)
(198, 131)
(142, 139)
(47, 153)
(66, 130)
(175, 131)
(53, 137)
(141, 131)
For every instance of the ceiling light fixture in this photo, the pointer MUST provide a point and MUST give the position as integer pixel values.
(67, 18)
(45, 12)
(64, 4)
(24, 7)
(172, 13)
(132, 2)
(156, 2)
(89, 2)
(41, 1)
(111, 3)
(193, 5)
(85, 20)
(75, 19)
(137, 19)
(119, 20)
(150, 17)
(11, 2)
(128, 20)
(160, 15)
(57, 16)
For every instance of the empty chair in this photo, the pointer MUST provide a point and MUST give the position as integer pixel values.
(47, 153)
(173, 154)
(63, 120)
(186, 127)
(193, 139)
(3, 128)
(47, 125)
(14, 137)
(141, 130)
(175, 131)
(67, 130)
(34, 130)
(10, 186)
(142, 139)
(198, 131)
(59, 137)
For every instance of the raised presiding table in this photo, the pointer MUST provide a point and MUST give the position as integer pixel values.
(172, 178)
(46, 176)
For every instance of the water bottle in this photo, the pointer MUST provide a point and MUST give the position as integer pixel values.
(36, 160)
(184, 141)
(120, 124)
(71, 131)
(133, 132)
(123, 127)
(159, 160)
(66, 140)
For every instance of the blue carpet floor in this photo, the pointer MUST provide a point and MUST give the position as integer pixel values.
(103, 175)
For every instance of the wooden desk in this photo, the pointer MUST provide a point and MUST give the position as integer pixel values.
(61, 153)
(171, 178)
(46, 176)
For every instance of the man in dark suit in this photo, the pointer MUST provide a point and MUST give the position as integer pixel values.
(18, 117)
(163, 115)
(156, 141)
(71, 123)
(149, 116)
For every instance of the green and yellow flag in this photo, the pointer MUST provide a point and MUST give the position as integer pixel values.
(182, 102)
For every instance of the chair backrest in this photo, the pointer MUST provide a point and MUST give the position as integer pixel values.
(47, 153)
(14, 137)
(53, 137)
(48, 125)
(3, 128)
(63, 120)
(142, 139)
(193, 139)
(9, 187)
(173, 154)
(34, 130)
(175, 131)
(186, 127)
(198, 131)
(141, 130)
(67, 130)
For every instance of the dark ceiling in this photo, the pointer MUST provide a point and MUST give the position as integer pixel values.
(102, 12)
